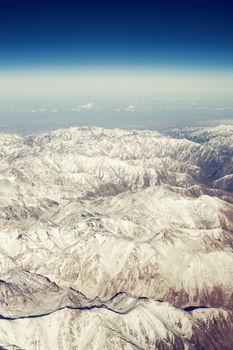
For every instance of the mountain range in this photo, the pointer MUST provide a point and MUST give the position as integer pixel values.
(117, 239)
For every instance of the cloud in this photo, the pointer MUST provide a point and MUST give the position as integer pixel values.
(26, 110)
(89, 106)
(31, 111)
(131, 108)
(86, 107)
(54, 110)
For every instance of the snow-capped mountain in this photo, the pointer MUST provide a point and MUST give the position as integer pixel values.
(117, 239)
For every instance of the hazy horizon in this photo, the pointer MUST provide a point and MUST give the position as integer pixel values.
(41, 99)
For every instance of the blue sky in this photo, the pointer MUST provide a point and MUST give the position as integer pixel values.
(190, 33)
(106, 63)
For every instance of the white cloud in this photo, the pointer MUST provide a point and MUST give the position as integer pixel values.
(131, 108)
(34, 110)
(87, 107)
(26, 110)
(54, 110)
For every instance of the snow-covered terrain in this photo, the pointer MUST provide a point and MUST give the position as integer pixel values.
(117, 239)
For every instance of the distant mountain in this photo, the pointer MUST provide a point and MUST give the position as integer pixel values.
(117, 239)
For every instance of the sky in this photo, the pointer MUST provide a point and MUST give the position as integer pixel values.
(146, 64)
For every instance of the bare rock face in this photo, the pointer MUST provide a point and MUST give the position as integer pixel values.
(115, 239)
